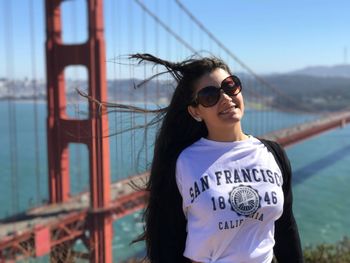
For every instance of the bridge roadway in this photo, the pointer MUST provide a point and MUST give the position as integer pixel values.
(24, 235)
(37, 231)
(296, 134)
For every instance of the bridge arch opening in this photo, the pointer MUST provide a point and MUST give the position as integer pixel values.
(74, 21)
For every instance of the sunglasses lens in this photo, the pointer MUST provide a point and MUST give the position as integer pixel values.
(208, 96)
(231, 85)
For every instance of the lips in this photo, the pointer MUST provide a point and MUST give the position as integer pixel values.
(228, 109)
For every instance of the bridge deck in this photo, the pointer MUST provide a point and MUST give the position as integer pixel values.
(296, 134)
(121, 194)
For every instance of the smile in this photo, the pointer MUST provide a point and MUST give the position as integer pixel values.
(230, 109)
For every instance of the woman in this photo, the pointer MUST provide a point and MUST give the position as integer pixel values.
(215, 193)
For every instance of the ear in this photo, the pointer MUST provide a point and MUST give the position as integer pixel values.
(194, 112)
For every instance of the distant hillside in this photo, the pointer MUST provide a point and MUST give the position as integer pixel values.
(302, 85)
(322, 93)
(324, 71)
(321, 88)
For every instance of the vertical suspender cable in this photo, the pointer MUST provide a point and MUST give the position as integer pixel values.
(257, 112)
(269, 117)
(121, 115)
(113, 15)
(157, 44)
(156, 41)
(249, 86)
(35, 104)
(169, 39)
(131, 76)
(258, 117)
(264, 111)
(267, 112)
(79, 180)
(145, 93)
(11, 105)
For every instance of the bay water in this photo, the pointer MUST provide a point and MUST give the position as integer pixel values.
(321, 169)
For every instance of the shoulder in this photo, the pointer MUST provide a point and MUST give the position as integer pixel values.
(274, 147)
(190, 151)
(188, 156)
(269, 142)
(280, 156)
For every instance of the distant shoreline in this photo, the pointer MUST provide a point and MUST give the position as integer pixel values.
(83, 101)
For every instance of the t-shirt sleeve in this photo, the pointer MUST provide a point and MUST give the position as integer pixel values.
(288, 247)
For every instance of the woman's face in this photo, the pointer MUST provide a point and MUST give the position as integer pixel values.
(227, 112)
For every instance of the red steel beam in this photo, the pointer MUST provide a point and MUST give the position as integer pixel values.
(100, 225)
(13, 248)
(290, 136)
(309, 133)
(32, 244)
(66, 229)
(56, 102)
(71, 226)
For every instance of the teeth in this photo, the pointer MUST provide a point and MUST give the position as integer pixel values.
(229, 109)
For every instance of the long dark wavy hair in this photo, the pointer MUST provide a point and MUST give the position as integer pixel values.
(165, 223)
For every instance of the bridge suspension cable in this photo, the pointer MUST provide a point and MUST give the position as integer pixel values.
(267, 85)
(239, 61)
(265, 93)
(167, 28)
(262, 98)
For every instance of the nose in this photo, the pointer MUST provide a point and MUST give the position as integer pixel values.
(224, 96)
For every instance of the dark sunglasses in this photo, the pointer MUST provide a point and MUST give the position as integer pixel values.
(209, 96)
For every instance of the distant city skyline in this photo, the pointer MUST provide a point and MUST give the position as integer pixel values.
(269, 36)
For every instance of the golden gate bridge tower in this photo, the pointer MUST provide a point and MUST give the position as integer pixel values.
(62, 130)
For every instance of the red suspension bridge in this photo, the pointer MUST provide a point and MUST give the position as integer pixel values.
(54, 227)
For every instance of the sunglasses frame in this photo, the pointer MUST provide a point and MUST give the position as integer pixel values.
(238, 86)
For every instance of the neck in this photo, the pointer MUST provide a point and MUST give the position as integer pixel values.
(227, 135)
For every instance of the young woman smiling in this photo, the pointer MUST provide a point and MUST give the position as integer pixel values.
(216, 194)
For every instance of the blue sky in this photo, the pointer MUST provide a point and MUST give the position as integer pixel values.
(271, 35)
(267, 35)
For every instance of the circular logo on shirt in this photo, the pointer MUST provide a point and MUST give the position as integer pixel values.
(245, 200)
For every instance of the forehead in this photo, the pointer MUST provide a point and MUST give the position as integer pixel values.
(213, 78)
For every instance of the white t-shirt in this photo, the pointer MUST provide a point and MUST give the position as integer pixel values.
(232, 195)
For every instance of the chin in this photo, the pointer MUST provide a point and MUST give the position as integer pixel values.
(233, 118)
(230, 122)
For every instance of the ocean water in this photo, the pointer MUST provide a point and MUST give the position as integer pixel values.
(321, 170)
(321, 186)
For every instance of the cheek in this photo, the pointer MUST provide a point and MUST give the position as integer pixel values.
(240, 98)
(210, 115)
(241, 102)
